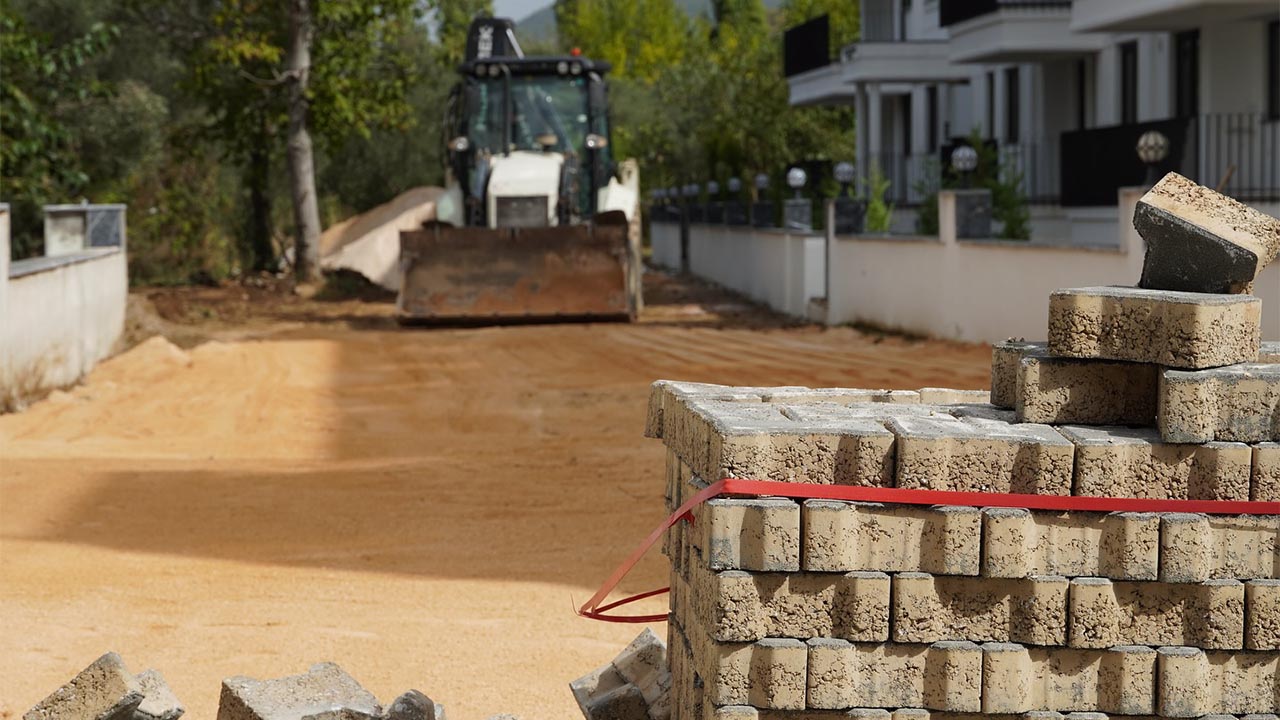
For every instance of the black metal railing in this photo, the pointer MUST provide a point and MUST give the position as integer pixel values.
(1239, 153)
(806, 46)
(951, 12)
(1035, 167)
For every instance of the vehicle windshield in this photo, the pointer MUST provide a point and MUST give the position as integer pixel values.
(554, 105)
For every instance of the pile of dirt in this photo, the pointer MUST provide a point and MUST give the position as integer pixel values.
(369, 243)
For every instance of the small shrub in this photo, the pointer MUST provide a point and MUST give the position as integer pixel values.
(879, 214)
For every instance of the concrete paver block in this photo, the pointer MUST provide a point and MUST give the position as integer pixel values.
(1265, 482)
(929, 608)
(1179, 330)
(1195, 548)
(1061, 390)
(1194, 682)
(624, 702)
(1199, 240)
(105, 690)
(761, 534)
(941, 676)
(847, 536)
(840, 396)
(668, 395)
(949, 396)
(1005, 358)
(1134, 462)
(976, 454)
(1269, 351)
(1206, 615)
(779, 670)
(1262, 615)
(1017, 679)
(1238, 403)
(158, 702)
(324, 688)
(416, 705)
(1019, 543)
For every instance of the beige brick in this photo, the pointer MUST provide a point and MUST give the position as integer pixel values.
(1174, 329)
(1207, 615)
(846, 536)
(840, 396)
(1195, 683)
(1133, 462)
(761, 534)
(941, 676)
(1195, 548)
(1236, 403)
(735, 606)
(1265, 483)
(1262, 615)
(770, 673)
(779, 670)
(1005, 357)
(1060, 390)
(735, 712)
(667, 396)
(928, 608)
(1020, 543)
(974, 454)
(1017, 679)
(948, 396)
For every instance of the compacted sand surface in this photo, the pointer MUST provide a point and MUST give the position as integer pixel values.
(424, 507)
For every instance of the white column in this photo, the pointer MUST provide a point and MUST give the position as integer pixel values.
(875, 117)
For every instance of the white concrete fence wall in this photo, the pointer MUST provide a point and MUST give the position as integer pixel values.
(972, 290)
(59, 315)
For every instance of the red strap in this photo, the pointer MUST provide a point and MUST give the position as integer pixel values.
(804, 491)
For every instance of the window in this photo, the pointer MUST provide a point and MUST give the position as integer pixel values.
(906, 125)
(931, 113)
(1012, 107)
(1129, 83)
(902, 19)
(1273, 69)
(1082, 93)
(991, 104)
(1186, 73)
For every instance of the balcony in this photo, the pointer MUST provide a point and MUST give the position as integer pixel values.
(1162, 15)
(1008, 31)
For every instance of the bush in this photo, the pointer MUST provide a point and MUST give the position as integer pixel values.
(1008, 203)
(879, 214)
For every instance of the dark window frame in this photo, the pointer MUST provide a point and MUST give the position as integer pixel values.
(1273, 70)
(991, 104)
(1082, 94)
(931, 117)
(1186, 73)
(1013, 105)
(1129, 82)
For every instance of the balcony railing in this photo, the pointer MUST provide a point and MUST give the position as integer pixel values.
(1236, 152)
(951, 12)
(806, 46)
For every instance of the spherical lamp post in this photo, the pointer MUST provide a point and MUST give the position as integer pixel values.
(735, 185)
(796, 178)
(713, 189)
(964, 160)
(1153, 148)
(844, 175)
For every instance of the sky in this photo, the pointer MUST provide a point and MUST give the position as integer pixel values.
(517, 9)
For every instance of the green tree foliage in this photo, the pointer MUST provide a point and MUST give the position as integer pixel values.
(453, 18)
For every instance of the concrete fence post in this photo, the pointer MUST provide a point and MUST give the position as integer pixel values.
(947, 217)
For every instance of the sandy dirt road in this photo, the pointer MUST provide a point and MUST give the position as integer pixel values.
(423, 507)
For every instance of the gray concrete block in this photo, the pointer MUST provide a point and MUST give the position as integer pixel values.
(983, 411)
(1196, 548)
(1269, 351)
(844, 537)
(839, 396)
(1134, 462)
(760, 534)
(1018, 679)
(1234, 403)
(948, 396)
(105, 690)
(324, 688)
(929, 608)
(1202, 241)
(1005, 357)
(158, 702)
(1264, 483)
(1178, 330)
(980, 455)
(942, 676)
(1019, 543)
(1077, 391)
(414, 705)
(624, 702)
(667, 395)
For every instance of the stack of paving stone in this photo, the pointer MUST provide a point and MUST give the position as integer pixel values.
(821, 609)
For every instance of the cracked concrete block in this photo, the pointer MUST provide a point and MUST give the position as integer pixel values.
(735, 606)
(1017, 679)
(158, 702)
(1235, 403)
(941, 676)
(416, 705)
(949, 396)
(1194, 682)
(1059, 390)
(105, 690)
(979, 455)
(760, 534)
(324, 688)
(928, 608)
(1174, 329)
(1207, 615)
(1019, 543)
(1265, 481)
(1196, 548)
(1199, 240)
(846, 536)
(1262, 615)
(1005, 358)
(1134, 462)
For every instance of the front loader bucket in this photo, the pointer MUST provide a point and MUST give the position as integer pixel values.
(486, 275)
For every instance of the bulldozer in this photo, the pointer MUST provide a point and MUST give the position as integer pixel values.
(537, 221)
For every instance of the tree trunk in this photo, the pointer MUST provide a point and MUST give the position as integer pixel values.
(306, 208)
(260, 255)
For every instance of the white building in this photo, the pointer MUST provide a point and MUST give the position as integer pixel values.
(1064, 89)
